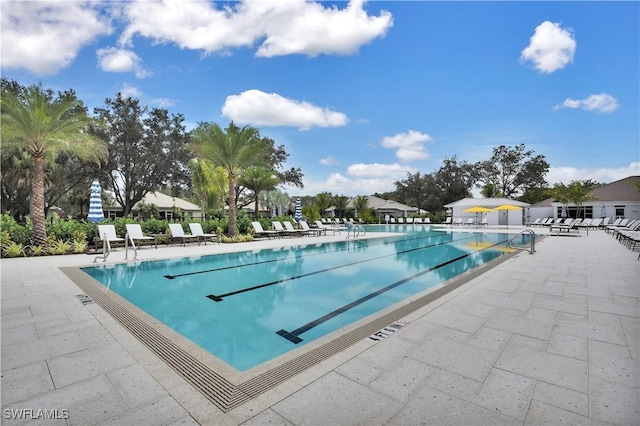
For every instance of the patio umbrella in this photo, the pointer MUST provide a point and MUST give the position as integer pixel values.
(476, 210)
(95, 203)
(298, 214)
(563, 213)
(603, 210)
(508, 207)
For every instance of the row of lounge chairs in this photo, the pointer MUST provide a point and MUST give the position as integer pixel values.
(627, 232)
(134, 236)
(285, 228)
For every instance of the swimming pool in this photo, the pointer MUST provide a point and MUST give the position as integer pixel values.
(250, 307)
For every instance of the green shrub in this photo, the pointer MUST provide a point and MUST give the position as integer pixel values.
(37, 250)
(12, 249)
(59, 247)
(19, 234)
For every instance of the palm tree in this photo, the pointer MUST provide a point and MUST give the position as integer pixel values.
(341, 202)
(361, 204)
(201, 181)
(258, 179)
(323, 201)
(578, 193)
(234, 149)
(44, 128)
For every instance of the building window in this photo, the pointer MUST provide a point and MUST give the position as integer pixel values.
(619, 211)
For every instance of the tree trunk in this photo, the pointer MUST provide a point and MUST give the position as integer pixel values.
(39, 236)
(256, 212)
(232, 205)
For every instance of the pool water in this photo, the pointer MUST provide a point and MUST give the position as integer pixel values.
(249, 307)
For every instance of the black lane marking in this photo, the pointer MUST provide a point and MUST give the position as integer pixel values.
(170, 277)
(293, 336)
(295, 277)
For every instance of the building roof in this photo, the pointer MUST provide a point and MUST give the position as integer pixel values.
(377, 203)
(164, 202)
(486, 202)
(620, 190)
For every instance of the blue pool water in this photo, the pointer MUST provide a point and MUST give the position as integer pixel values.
(247, 308)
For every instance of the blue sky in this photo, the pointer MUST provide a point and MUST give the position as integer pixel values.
(360, 93)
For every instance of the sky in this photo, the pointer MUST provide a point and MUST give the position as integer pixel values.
(359, 93)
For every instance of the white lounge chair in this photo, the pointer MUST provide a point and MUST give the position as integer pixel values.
(258, 231)
(135, 234)
(107, 234)
(177, 233)
(315, 231)
(196, 229)
(288, 227)
(277, 226)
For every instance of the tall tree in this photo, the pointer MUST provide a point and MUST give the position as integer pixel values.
(258, 179)
(361, 204)
(44, 126)
(513, 170)
(233, 149)
(579, 192)
(202, 182)
(454, 180)
(323, 201)
(417, 190)
(134, 132)
(341, 202)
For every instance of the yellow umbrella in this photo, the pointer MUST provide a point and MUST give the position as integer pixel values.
(476, 210)
(508, 207)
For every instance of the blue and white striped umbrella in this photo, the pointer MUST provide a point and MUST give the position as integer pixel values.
(279, 209)
(95, 203)
(298, 214)
(603, 210)
(563, 212)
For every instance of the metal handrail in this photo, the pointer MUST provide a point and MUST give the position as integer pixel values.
(356, 229)
(531, 249)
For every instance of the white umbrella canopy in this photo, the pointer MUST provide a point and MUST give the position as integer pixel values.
(95, 203)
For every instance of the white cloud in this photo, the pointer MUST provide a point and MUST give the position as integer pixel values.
(391, 171)
(164, 102)
(284, 27)
(327, 161)
(409, 146)
(129, 91)
(270, 109)
(44, 37)
(602, 174)
(551, 47)
(598, 103)
(113, 59)
(338, 184)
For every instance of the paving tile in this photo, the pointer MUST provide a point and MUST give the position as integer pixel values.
(569, 346)
(459, 358)
(566, 399)
(135, 385)
(606, 364)
(162, 411)
(613, 402)
(506, 302)
(267, 417)
(609, 307)
(454, 384)
(77, 366)
(88, 402)
(545, 414)
(361, 370)
(25, 382)
(184, 421)
(506, 393)
(561, 305)
(551, 368)
(490, 338)
(334, 399)
(456, 320)
(385, 353)
(433, 407)
(19, 334)
(524, 326)
(610, 334)
(41, 349)
(403, 380)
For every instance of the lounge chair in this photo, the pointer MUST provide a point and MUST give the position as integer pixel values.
(135, 234)
(196, 229)
(392, 220)
(534, 223)
(427, 221)
(108, 235)
(177, 233)
(315, 231)
(484, 222)
(619, 223)
(277, 226)
(571, 225)
(410, 220)
(470, 222)
(418, 220)
(333, 229)
(401, 220)
(259, 232)
(291, 230)
(458, 221)
(447, 221)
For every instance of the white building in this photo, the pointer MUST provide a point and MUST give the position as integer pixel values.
(495, 218)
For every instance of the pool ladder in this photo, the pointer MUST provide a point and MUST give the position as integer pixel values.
(532, 246)
(354, 231)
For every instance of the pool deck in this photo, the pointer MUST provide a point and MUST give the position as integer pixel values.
(549, 338)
